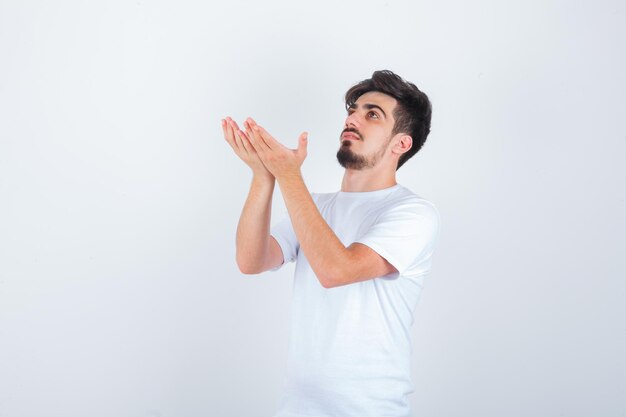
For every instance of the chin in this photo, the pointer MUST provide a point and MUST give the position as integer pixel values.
(350, 160)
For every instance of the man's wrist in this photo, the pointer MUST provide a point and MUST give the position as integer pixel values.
(291, 184)
(263, 179)
(288, 179)
(289, 175)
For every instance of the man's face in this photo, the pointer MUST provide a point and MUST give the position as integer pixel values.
(367, 132)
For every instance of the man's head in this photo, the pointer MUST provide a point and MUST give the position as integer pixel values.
(383, 111)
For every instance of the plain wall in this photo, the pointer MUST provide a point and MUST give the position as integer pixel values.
(119, 199)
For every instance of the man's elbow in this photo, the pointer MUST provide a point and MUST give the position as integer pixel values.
(247, 268)
(247, 271)
(331, 282)
(325, 282)
(332, 278)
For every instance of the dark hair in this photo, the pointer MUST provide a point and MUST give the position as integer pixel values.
(412, 113)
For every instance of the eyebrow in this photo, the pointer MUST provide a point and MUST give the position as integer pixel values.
(369, 106)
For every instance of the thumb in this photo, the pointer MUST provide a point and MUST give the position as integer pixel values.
(302, 143)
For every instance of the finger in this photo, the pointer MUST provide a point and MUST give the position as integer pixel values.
(253, 130)
(249, 125)
(302, 145)
(250, 121)
(255, 140)
(248, 131)
(245, 142)
(229, 135)
(245, 136)
(265, 138)
(238, 139)
(235, 125)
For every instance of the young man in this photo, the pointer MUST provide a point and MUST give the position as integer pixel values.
(362, 253)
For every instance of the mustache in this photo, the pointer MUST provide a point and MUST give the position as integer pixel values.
(351, 130)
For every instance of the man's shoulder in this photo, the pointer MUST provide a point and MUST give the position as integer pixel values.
(404, 195)
(322, 197)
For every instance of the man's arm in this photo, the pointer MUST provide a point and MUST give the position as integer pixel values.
(257, 251)
(333, 263)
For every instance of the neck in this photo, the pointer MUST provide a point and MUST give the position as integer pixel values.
(367, 180)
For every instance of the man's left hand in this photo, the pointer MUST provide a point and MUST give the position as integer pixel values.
(281, 161)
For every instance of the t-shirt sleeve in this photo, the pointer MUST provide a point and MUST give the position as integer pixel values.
(405, 235)
(286, 237)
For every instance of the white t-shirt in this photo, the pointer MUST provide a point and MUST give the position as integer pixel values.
(350, 346)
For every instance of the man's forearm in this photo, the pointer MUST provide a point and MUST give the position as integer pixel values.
(253, 230)
(323, 249)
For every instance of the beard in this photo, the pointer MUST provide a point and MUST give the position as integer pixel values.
(350, 160)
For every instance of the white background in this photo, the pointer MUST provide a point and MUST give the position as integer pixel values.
(119, 199)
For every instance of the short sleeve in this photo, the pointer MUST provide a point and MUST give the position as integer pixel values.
(405, 235)
(286, 237)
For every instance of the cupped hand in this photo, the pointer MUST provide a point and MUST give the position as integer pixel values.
(240, 142)
(277, 158)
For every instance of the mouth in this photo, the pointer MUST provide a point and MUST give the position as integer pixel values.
(350, 136)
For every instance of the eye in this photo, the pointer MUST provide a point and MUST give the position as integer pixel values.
(373, 113)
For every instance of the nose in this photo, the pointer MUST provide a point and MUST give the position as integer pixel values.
(353, 120)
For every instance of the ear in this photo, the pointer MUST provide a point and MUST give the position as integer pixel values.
(403, 144)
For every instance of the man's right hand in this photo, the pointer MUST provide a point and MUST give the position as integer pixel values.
(238, 140)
